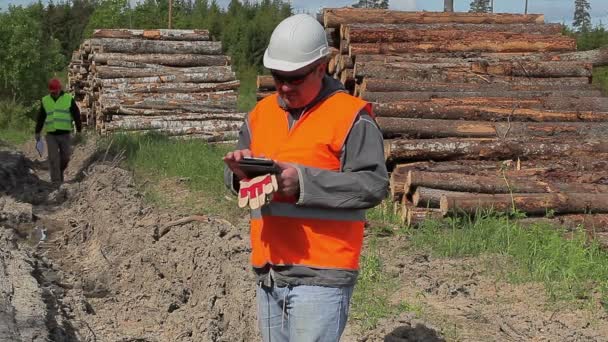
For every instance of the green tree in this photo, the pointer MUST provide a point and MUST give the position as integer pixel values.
(30, 55)
(480, 6)
(371, 4)
(582, 19)
(109, 14)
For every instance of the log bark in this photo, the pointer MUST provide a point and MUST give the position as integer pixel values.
(265, 82)
(162, 34)
(181, 117)
(203, 125)
(496, 109)
(171, 87)
(362, 33)
(387, 97)
(556, 44)
(387, 85)
(179, 78)
(412, 70)
(597, 57)
(413, 216)
(374, 33)
(334, 17)
(498, 184)
(536, 204)
(262, 94)
(191, 133)
(136, 46)
(430, 198)
(202, 74)
(136, 104)
(176, 60)
(487, 149)
(433, 128)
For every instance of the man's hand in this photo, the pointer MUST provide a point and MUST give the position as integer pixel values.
(232, 161)
(289, 180)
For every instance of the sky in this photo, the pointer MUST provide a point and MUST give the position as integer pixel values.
(560, 11)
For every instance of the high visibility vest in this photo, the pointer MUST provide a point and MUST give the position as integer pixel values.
(58, 116)
(283, 233)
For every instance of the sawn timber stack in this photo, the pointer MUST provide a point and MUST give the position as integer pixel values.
(175, 82)
(479, 111)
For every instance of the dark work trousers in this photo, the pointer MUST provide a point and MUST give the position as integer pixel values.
(59, 150)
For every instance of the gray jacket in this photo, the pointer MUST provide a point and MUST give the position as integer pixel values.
(361, 184)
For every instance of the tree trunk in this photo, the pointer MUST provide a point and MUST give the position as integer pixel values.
(239, 117)
(376, 33)
(132, 104)
(597, 57)
(536, 204)
(205, 125)
(200, 74)
(413, 216)
(488, 149)
(411, 70)
(171, 87)
(558, 44)
(448, 6)
(385, 85)
(387, 97)
(265, 82)
(429, 198)
(496, 109)
(135, 46)
(162, 34)
(176, 78)
(334, 17)
(433, 128)
(176, 60)
(262, 94)
(498, 184)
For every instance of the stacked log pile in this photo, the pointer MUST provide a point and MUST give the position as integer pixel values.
(480, 111)
(176, 82)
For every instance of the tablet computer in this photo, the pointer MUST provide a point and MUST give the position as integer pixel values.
(254, 167)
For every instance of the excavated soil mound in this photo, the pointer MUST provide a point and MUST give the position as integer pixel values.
(125, 284)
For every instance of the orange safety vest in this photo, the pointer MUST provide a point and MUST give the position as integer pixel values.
(283, 233)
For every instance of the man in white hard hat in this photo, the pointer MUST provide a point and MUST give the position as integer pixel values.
(307, 240)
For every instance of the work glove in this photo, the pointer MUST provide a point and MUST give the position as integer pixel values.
(257, 192)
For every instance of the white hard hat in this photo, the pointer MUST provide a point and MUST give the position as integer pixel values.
(295, 43)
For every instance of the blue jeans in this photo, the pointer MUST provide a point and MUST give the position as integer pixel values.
(302, 313)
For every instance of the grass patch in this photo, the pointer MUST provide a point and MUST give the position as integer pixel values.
(191, 164)
(16, 124)
(570, 268)
(600, 78)
(370, 302)
(247, 90)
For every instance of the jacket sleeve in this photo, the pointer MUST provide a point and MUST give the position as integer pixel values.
(363, 181)
(76, 115)
(244, 142)
(40, 119)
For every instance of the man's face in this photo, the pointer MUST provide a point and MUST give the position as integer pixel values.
(298, 88)
(55, 92)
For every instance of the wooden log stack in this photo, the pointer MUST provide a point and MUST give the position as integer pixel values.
(479, 111)
(175, 82)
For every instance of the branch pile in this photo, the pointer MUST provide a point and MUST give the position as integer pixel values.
(479, 111)
(176, 82)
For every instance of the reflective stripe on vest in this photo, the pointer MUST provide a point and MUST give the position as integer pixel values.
(58, 115)
(283, 233)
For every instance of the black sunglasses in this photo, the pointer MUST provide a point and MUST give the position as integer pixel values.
(292, 79)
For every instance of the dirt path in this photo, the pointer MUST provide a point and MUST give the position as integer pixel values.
(85, 263)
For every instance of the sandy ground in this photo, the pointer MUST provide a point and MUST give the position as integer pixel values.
(85, 263)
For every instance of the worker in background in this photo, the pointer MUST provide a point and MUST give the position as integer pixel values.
(57, 112)
(307, 241)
